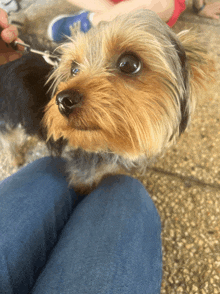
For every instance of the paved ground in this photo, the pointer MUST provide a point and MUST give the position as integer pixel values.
(184, 184)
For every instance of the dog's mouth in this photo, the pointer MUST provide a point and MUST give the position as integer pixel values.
(78, 120)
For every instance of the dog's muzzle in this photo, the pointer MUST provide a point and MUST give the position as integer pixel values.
(67, 100)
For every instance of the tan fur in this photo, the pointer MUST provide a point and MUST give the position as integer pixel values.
(131, 116)
(202, 67)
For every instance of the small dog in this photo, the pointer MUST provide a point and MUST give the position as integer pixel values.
(122, 94)
(23, 97)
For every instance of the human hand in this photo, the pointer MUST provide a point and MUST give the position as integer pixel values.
(8, 34)
(211, 10)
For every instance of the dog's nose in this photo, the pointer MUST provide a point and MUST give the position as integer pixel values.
(67, 100)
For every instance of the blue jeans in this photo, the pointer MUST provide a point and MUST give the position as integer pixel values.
(52, 242)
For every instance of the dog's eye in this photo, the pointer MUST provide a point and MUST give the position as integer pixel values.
(74, 68)
(128, 63)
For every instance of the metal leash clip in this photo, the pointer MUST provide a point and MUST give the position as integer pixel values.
(48, 57)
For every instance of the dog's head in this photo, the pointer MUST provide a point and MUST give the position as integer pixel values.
(124, 87)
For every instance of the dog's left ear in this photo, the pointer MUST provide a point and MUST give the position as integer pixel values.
(197, 71)
(184, 102)
(200, 64)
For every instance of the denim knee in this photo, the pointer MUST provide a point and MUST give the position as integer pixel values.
(129, 190)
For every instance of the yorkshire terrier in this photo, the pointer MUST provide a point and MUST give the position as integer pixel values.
(122, 94)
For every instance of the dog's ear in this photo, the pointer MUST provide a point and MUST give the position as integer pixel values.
(185, 106)
(201, 66)
(197, 71)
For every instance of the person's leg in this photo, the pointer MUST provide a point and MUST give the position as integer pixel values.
(95, 5)
(163, 8)
(111, 244)
(60, 26)
(35, 204)
(210, 10)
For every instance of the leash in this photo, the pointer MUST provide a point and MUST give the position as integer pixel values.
(48, 57)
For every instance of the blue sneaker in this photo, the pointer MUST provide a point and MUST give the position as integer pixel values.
(60, 26)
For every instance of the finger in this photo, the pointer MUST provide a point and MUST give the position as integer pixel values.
(3, 19)
(19, 47)
(13, 56)
(9, 34)
(9, 56)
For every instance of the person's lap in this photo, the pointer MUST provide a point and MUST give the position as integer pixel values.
(51, 242)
